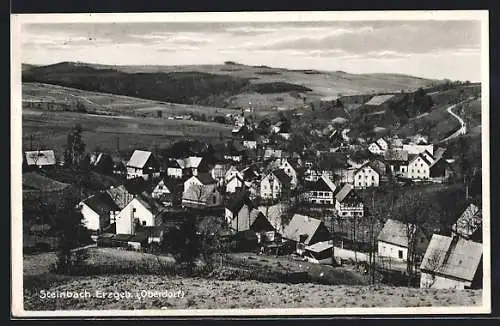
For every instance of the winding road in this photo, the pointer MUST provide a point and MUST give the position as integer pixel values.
(460, 131)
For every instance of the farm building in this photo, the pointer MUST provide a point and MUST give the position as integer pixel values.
(142, 210)
(143, 164)
(40, 158)
(305, 230)
(320, 252)
(397, 161)
(452, 263)
(393, 239)
(348, 203)
(98, 211)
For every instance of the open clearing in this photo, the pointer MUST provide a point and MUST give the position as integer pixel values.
(50, 130)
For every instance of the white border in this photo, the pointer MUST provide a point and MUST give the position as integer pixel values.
(17, 308)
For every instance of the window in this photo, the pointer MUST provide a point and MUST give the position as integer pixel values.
(214, 199)
(134, 209)
(144, 223)
(400, 254)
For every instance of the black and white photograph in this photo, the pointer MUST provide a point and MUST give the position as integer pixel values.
(258, 163)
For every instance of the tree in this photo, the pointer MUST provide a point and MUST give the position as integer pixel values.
(71, 234)
(189, 250)
(75, 147)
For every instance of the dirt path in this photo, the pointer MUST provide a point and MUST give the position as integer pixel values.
(462, 130)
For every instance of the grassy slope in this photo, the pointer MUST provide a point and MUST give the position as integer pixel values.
(50, 130)
(209, 293)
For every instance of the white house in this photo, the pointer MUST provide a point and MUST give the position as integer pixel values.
(378, 147)
(233, 170)
(218, 172)
(291, 168)
(98, 211)
(250, 143)
(419, 167)
(397, 161)
(235, 183)
(393, 239)
(274, 184)
(201, 191)
(452, 263)
(320, 192)
(366, 176)
(143, 164)
(174, 169)
(241, 215)
(347, 203)
(191, 165)
(140, 211)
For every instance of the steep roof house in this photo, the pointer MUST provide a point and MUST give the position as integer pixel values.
(192, 165)
(469, 224)
(141, 210)
(366, 176)
(397, 161)
(275, 184)
(320, 191)
(168, 191)
(348, 203)
(305, 230)
(143, 164)
(98, 211)
(241, 215)
(452, 263)
(419, 167)
(201, 191)
(120, 195)
(174, 169)
(235, 183)
(394, 238)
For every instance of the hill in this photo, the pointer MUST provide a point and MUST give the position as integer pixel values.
(215, 85)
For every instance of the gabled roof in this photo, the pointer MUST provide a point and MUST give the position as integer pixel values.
(173, 164)
(172, 184)
(422, 156)
(381, 142)
(322, 184)
(120, 195)
(149, 203)
(469, 222)
(301, 225)
(396, 155)
(344, 192)
(139, 159)
(40, 158)
(206, 178)
(365, 165)
(195, 193)
(283, 178)
(189, 162)
(394, 232)
(238, 200)
(246, 222)
(379, 99)
(101, 203)
(453, 257)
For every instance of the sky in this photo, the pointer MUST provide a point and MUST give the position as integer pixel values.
(430, 49)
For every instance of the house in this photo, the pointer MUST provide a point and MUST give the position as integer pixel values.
(393, 239)
(274, 153)
(168, 191)
(233, 170)
(142, 210)
(319, 253)
(250, 173)
(419, 167)
(274, 184)
(201, 191)
(320, 191)
(40, 158)
(234, 156)
(250, 140)
(102, 162)
(305, 231)
(241, 215)
(452, 263)
(469, 224)
(192, 165)
(120, 195)
(174, 169)
(378, 147)
(235, 183)
(218, 172)
(143, 164)
(440, 169)
(414, 149)
(346, 175)
(98, 211)
(292, 169)
(347, 202)
(366, 176)
(397, 161)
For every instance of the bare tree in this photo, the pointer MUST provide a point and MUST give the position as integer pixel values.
(433, 262)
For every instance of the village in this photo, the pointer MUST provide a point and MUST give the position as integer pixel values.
(267, 193)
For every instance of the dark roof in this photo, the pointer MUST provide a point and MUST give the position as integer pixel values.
(282, 176)
(172, 163)
(344, 192)
(319, 185)
(237, 200)
(206, 178)
(102, 203)
(152, 205)
(396, 155)
(454, 257)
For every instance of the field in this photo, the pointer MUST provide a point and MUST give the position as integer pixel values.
(200, 293)
(50, 130)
